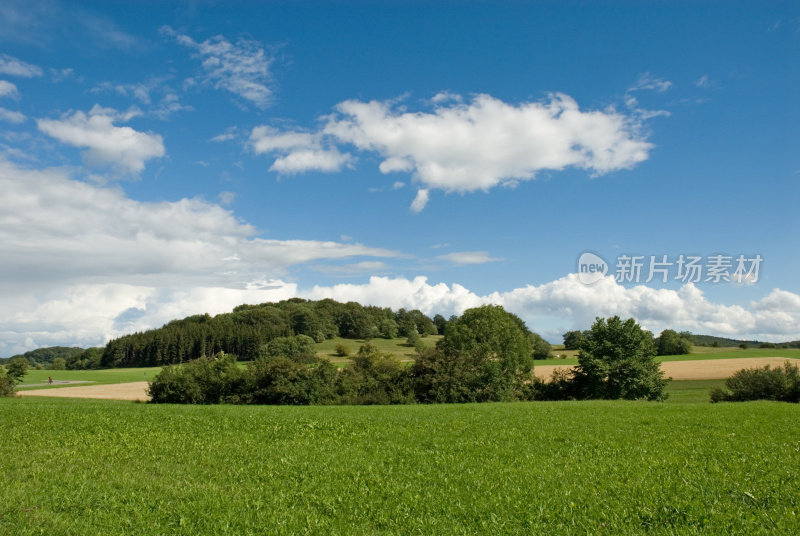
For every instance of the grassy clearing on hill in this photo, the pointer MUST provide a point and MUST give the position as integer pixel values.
(105, 468)
(395, 347)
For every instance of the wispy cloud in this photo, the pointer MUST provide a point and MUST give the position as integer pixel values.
(468, 257)
(241, 67)
(11, 116)
(15, 67)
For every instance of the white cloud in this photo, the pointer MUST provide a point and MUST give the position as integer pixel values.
(11, 116)
(775, 317)
(354, 268)
(297, 151)
(226, 198)
(15, 67)
(468, 257)
(7, 89)
(155, 95)
(123, 148)
(647, 81)
(241, 68)
(705, 82)
(76, 257)
(477, 145)
(420, 200)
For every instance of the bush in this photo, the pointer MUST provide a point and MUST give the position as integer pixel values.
(283, 381)
(208, 380)
(342, 350)
(299, 348)
(780, 383)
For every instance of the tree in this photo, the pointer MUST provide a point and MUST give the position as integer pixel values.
(17, 368)
(572, 340)
(6, 383)
(480, 358)
(671, 342)
(388, 328)
(440, 322)
(58, 363)
(616, 361)
(541, 348)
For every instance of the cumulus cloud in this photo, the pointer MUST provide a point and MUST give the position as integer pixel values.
(467, 146)
(297, 151)
(123, 148)
(241, 68)
(15, 67)
(77, 256)
(575, 305)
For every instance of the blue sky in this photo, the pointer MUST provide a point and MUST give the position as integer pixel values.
(165, 159)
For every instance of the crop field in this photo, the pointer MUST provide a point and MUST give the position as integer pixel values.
(104, 467)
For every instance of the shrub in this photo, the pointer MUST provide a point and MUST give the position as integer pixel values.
(299, 348)
(208, 380)
(342, 350)
(766, 383)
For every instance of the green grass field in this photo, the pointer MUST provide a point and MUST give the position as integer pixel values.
(104, 376)
(698, 353)
(107, 468)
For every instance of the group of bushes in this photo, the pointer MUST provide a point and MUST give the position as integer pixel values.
(766, 383)
(485, 355)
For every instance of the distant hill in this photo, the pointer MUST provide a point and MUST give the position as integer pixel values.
(46, 355)
(710, 340)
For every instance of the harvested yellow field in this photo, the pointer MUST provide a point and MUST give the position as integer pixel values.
(116, 391)
(707, 369)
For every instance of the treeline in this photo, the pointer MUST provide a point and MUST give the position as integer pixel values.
(485, 355)
(247, 330)
(45, 356)
(669, 342)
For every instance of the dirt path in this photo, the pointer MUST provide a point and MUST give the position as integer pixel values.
(707, 369)
(116, 391)
(56, 382)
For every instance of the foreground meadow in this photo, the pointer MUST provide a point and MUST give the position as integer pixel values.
(104, 467)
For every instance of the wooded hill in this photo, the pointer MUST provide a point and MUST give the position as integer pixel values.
(246, 330)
